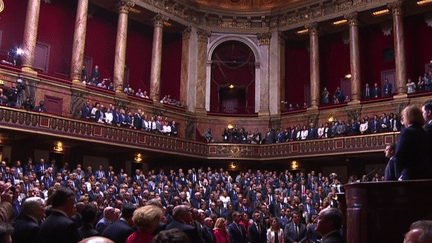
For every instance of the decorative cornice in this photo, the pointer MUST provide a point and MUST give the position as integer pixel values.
(264, 38)
(186, 33)
(125, 5)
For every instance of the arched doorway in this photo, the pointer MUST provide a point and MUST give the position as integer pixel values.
(232, 79)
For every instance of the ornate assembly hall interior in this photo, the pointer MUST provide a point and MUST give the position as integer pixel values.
(227, 65)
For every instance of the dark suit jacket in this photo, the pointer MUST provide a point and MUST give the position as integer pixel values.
(86, 231)
(411, 161)
(255, 236)
(289, 233)
(334, 237)
(235, 235)
(58, 228)
(390, 173)
(428, 129)
(189, 230)
(118, 232)
(26, 230)
(208, 235)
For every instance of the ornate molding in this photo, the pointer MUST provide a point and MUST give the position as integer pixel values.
(233, 151)
(396, 7)
(203, 35)
(313, 28)
(264, 38)
(352, 18)
(159, 20)
(186, 33)
(125, 5)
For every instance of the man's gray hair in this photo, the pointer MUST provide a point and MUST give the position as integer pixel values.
(30, 204)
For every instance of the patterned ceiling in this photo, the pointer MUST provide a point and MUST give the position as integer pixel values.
(247, 5)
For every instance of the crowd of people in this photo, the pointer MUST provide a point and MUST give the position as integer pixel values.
(119, 117)
(206, 205)
(95, 79)
(337, 127)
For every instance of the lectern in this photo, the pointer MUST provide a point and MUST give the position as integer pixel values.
(383, 211)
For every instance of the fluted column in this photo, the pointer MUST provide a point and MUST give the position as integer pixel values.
(263, 77)
(201, 68)
(399, 46)
(120, 51)
(314, 64)
(30, 34)
(79, 41)
(156, 61)
(354, 57)
(185, 65)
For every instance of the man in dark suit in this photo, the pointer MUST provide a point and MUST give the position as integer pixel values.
(257, 231)
(120, 230)
(182, 220)
(376, 92)
(58, 227)
(237, 232)
(387, 88)
(89, 214)
(295, 231)
(207, 230)
(197, 201)
(367, 93)
(427, 115)
(26, 227)
(137, 120)
(86, 110)
(329, 222)
(390, 174)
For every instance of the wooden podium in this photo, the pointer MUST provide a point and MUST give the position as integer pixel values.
(383, 211)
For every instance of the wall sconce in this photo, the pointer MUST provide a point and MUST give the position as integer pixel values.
(230, 126)
(138, 158)
(348, 76)
(294, 165)
(331, 119)
(58, 147)
(233, 166)
(231, 86)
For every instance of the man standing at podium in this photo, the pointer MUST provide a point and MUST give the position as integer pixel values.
(329, 223)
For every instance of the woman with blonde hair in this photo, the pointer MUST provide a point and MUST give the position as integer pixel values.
(275, 234)
(221, 232)
(146, 219)
(411, 159)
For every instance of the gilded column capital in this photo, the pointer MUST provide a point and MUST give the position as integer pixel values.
(125, 5)
(395, 7)
(186, 33)
(352, 18)
(313, 28)
(203, 35)
(264, 38)
(159, 20)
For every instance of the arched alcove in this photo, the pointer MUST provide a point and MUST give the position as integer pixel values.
(232, 86)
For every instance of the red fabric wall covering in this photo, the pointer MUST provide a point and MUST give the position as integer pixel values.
(12, 23)
(296, 70)
(373, 43)
(239, 74)
(138, 55)
(101, 40)
(171, 65)
(418, 45)
(56, 28)
(334, 61)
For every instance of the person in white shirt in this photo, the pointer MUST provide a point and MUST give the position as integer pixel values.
(275, 233)
(321, 131)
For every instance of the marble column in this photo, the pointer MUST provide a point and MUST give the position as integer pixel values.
(201, 68)
(314, 65)
(399, 46)
(277, 72)
(79, 41)
(120, 51)
(354, 56)
(184, 75)
(156, 61)
(30, 34)
(264, 74)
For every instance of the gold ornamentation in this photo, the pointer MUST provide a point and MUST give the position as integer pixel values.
(1, 6)
(233, 151)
